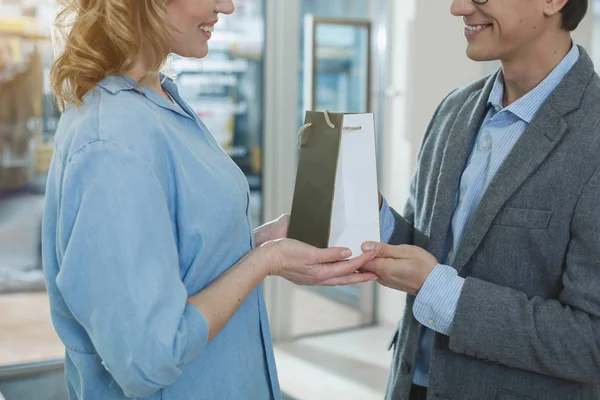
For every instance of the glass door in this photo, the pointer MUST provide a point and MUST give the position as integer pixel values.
(337, 64)
(334, 65)
(337, 77)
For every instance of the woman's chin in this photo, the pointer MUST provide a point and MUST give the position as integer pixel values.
(199, 52)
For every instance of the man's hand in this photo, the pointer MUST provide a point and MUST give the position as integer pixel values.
(404, 268)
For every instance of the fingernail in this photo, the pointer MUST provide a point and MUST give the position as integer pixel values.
(346, 253)
(368, 247)
(374, 279)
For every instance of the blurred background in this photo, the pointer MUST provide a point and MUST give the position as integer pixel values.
(269, 62)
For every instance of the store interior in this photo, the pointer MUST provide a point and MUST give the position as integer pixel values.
(269, 63)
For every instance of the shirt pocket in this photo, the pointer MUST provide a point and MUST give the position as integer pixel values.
(523, 218)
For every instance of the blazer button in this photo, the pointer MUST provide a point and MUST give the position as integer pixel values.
(405, 367)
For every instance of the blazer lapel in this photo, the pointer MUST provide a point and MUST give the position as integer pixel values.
(537, 142)
(457, 150)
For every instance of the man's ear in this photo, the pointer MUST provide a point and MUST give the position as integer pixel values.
(553, 7)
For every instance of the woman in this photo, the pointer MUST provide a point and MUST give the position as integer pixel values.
(151, 263)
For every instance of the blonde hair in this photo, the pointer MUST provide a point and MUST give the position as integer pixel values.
(106, 37)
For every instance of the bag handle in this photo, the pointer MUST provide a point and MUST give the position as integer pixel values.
(331, 125)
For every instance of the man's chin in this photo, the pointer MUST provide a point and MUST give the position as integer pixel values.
(480, 55)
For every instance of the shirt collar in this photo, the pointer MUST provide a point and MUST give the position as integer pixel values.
(527, 106)
(117, 83)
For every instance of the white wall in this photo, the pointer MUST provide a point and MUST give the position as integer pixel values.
(427, 61)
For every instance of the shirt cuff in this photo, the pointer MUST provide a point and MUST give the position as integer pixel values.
(197, 333)
(386, 222)
(435, 305)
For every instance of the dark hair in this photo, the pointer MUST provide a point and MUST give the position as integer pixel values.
(573, 13)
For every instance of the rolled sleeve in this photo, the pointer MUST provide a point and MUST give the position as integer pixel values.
(197, 330)
(436, 303)
(386, 222)
(119, 273)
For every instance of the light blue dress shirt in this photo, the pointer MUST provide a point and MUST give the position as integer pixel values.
(435, 305)
(143, 209)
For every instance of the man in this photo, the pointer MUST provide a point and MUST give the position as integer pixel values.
(504, 215)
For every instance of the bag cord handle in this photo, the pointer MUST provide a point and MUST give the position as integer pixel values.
(331, 125)
(306, 126)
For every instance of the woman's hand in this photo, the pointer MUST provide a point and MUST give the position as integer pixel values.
(304, 264)
(273, 230)
(293, 260)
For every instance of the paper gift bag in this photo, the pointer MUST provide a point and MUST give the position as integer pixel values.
(336, 202)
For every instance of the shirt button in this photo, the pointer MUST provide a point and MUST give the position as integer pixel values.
(484, 144)
(405, 367)
(430, 322)
(497, 109)
(461, 198)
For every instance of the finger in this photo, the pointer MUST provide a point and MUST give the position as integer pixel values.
(285, 224)
(376, 266)
(351, 279)
(347, 267)
(383, 250)
(331, 255)
(284, 220)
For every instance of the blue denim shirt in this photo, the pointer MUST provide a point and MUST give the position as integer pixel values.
(144, 209)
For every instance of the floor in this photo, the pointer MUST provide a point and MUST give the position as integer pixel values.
(316, 314)
(332, 357)
(351, 365)
(26, 332)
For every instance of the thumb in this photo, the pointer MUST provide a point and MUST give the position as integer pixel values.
(383, 250)
(329, 255)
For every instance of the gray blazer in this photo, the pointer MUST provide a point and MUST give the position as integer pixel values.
(527, 324)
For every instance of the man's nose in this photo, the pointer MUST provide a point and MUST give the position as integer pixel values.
(462, 8)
